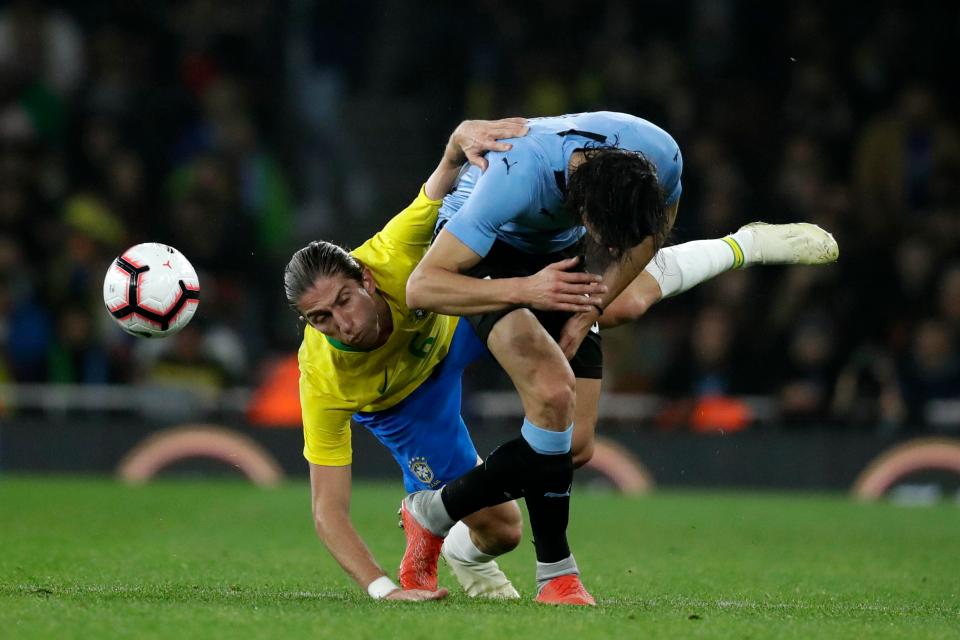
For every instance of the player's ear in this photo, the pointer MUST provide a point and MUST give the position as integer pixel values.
(369, 284)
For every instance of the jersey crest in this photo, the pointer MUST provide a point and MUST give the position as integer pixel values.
(422, 470)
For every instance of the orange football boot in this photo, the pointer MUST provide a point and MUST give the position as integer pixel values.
(565, 590)
(418, 568)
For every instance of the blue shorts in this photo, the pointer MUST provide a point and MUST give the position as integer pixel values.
(425, 432)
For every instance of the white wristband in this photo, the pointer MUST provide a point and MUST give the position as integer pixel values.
(381, 587)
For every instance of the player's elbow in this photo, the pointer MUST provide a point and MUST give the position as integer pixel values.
(320, 522)
(417, 294)
(326, 520)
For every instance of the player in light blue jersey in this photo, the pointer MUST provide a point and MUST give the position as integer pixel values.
(521, 199)
(602, 183)
(509, 256)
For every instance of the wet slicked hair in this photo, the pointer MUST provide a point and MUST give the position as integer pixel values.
(616, 193)
(317, 259)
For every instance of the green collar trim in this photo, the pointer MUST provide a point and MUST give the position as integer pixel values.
(336, 344)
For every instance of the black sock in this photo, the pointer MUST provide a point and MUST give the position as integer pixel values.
(513, 471)
(548, 504)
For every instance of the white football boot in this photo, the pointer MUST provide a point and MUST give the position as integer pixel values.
(794, 243)
(481, 579)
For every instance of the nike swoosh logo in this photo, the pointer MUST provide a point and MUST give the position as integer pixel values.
(383, 387)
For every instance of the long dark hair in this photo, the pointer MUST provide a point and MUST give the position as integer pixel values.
(317, 259)
(616, 194)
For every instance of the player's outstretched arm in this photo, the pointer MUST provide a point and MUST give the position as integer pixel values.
(470, 142)
(439, 285)
(330, 489)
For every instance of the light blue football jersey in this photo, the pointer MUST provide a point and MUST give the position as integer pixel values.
(520, 197)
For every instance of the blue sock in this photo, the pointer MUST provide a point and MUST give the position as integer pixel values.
(547, 442)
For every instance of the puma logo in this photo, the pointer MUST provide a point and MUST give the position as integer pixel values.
(550, 494)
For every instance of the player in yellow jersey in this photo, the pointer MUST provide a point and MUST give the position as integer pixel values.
(367, 356)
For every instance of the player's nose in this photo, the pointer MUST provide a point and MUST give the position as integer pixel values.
(345, 323)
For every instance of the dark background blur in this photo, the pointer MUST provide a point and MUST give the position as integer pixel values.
(237, 132)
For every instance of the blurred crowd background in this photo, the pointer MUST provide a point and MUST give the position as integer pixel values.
(237, 132)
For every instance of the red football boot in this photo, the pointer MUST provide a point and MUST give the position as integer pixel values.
(565, 590)
(418, 568)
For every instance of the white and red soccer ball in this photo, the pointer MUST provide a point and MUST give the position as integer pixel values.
(151, 290)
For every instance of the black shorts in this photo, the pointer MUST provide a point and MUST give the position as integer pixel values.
(503, 261)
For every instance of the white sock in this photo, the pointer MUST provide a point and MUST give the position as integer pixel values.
(459, 544)
(744, 237)
(546, 571)
(427, 509)
(682, 267)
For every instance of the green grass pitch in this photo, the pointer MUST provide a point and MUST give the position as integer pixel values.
(88, 558)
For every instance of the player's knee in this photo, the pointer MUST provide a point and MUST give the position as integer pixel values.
(505, 534)
(560, 394)
(582, 453)
(509, 536)
(498, 529)
(555, 388)
(500, 541)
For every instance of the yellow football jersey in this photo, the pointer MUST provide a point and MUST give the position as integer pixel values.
(336, 380)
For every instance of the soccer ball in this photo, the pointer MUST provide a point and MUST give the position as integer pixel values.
(151, 290)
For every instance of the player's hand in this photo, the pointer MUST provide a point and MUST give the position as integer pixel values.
(472, 139)
(416, 595)
(575, 330)
(556, 288)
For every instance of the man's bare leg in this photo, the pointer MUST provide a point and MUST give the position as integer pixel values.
(585, 422)
(538, 465)
(679, 268)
